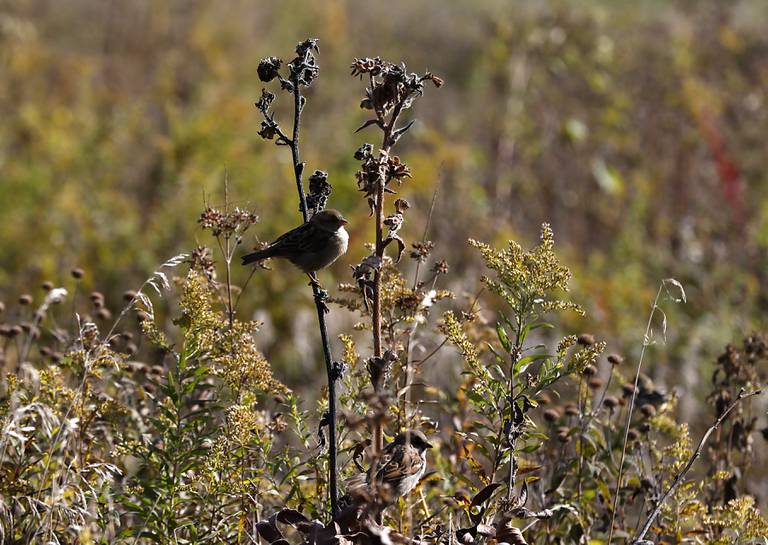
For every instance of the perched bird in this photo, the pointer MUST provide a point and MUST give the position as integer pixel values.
(311, 246)
(394, 474)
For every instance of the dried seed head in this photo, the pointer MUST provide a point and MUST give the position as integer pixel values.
(544, 398)
(129, 295)
(571, 410)
(57, 357)
(269, 68)
(16, 330)
(77, 273)
(595, 383)
(633, 435)
(47, 285)
(590, 370)
(551, 415)
(440, 267)
(628, 389)
(611, 402)
(97, 296)
(648, 410)
(585, 339)
(45, 351)
(25, 299)
(615, 359)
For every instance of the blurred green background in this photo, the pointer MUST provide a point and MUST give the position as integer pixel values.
(637, 129)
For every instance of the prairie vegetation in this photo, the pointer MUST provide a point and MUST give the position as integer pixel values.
(556, 273)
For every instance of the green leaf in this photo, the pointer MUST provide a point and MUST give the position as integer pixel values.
(523, 363)
(532, 326)
(503, 338)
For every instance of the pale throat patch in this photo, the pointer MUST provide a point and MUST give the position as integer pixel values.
(343, 237)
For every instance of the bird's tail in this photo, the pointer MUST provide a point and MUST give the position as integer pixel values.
(261, 255)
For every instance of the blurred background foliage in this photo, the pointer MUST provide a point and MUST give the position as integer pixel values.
(636, 129)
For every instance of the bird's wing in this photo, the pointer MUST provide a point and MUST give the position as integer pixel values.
(302, 239)
(398, 463)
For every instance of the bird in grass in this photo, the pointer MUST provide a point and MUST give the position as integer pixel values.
(397, 472)
(311, 246)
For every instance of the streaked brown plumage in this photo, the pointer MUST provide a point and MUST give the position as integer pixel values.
(397, 472)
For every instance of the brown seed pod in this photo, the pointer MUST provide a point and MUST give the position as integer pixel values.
(129, 295)
(551, 415)
(615, 359)
(97, 296)
(648, 410)
(595, 383)
(590, 370)
(25, 299)
(47, 285)
(571, 410)
(633, 435)
(586, 339)
(627, 388)
(611, 402)
(77, 273)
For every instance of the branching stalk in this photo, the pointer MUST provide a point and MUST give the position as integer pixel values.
(639, 538)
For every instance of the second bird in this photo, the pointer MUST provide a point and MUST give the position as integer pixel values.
(311, 246)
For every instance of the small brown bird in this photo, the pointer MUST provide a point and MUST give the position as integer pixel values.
(311, 246)
(396, 472)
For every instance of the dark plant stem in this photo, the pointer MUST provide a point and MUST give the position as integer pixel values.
(319, 296)
(517, 350)
(386, 146)
(639, 538)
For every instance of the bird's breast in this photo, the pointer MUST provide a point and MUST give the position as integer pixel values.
(342, 238)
